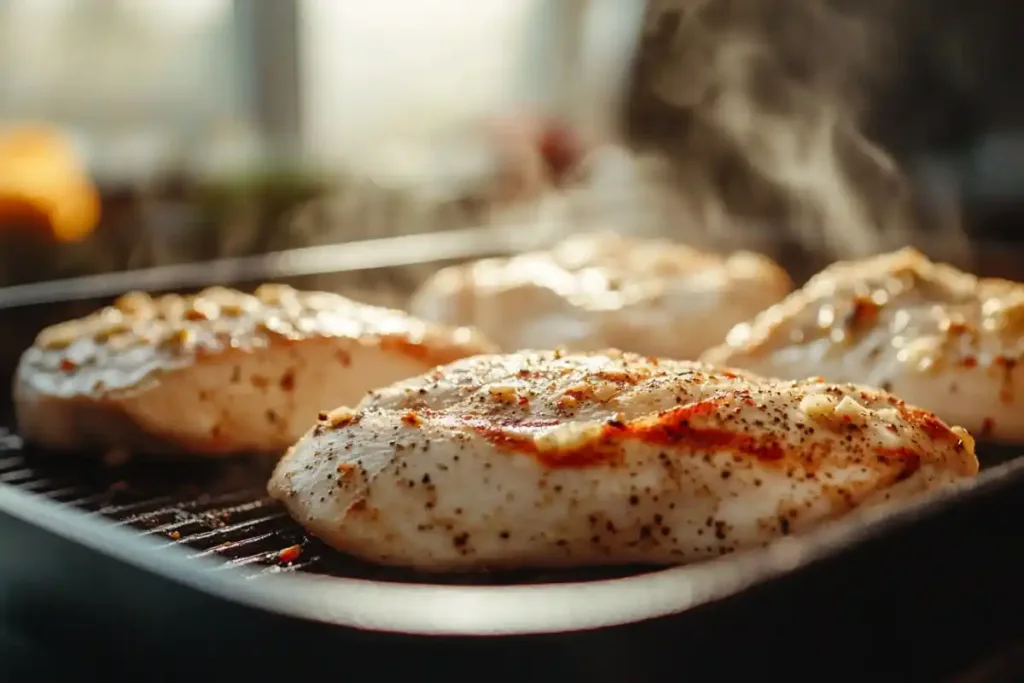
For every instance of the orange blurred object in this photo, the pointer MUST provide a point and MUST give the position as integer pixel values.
(43, 182)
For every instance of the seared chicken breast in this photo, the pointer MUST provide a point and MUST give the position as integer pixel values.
(604, 290)
(935, 336)
(218, 373)
(539, 459)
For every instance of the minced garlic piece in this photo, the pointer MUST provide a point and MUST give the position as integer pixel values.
(580, 389)
(889, 415)
(233, 309)
(173, 306)
(179, 339)
(341, 417)
(113, 329)
(605, 392)
(274, 294)
(120, 342)
(220, 294)
(506, 393)
(826, 409)
(134, 302)
(202, 309)
(817, 406)
(965, 437)
(568, 436)
(59, 336)
(275, 326)
(568, 401)
(851, 409)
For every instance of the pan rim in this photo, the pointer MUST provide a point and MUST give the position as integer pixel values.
(505, 610)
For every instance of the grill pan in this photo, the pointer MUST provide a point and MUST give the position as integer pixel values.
(167, 571)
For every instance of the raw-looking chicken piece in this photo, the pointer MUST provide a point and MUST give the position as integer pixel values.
(933, 335)
(218, 373)
(603, 290)
(539, 459)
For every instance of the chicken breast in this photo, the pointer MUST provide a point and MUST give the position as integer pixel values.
(935, 336)
(603, 290)
(538, 459)
(218, 373)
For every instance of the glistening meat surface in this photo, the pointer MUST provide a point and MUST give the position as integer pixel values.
(935, 336)
(544, 459)
(218, 373)
(600, 290)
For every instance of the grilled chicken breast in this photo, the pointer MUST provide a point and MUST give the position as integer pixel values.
(935, 336)
(218, 373)
(538, 459)
(604, 290)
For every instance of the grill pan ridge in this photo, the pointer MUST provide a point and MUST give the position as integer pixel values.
(216, 510)
(244, 559)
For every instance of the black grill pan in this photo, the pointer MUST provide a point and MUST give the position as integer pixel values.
(177, 572)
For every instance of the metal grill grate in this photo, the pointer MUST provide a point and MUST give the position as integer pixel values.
(217, 510)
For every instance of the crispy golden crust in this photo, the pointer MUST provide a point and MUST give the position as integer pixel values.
(858, 291)
(535, 406)
(544, 458)
(140, 334)
(220, 372)
(598, 290)
(939, 337)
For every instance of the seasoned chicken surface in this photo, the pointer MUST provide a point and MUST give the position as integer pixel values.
(935, 336)
(538, 459)
(218, 373)
(604, 290)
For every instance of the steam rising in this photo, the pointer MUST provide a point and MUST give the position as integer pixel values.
(757, 105)
(743, 125)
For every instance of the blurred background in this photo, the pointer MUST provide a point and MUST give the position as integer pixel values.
(138, 133)
(142, 133)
